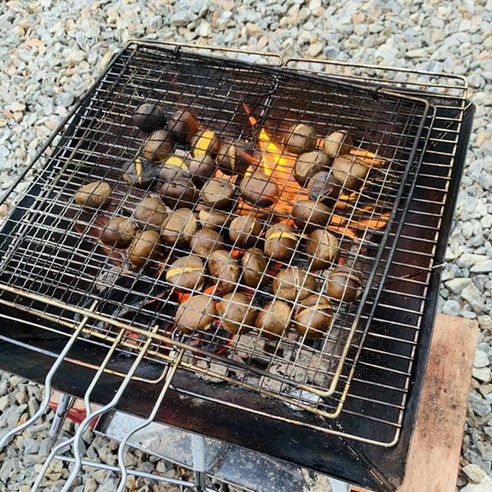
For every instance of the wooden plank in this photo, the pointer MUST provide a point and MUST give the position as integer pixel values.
(435, 448)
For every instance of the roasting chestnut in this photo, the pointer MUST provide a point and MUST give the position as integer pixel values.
(300, 138)
(322, 247)
(149, 117)
(181, 192)
(244, 231)
(144, 246)
(183, 126)
(337, 143)
(273, 319)
(225, 270)
(234, 158)
(322, 187)
(196, 313)
(254, 265)
(140, 172)
(93, 195)
(118, 232)
(174, 167)
(344, 285)
(206, 240)
(293, 283)
(150, 213)
(187, 272)
(158, 146)
(308, 164)
(218, 193)
(205, 142)
(280, 242)
(313, 316)
(309, 215)
(350, 172)
(259, 190)
(236, 313)
(179, 227)
(214, 219)
(201, 168)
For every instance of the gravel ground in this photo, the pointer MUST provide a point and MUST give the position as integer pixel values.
(52, 51)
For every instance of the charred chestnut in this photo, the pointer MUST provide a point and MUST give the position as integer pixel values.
(218, 193)
(196, 313)
(187, 272)
(313, 316)
(118, 232)
(201, 168)
(308, 164)
(254, 265)
(234, 158)
(244, 231)
(205, 241)
(179, 227)
(149, 117)
(174, 167)
(183, 126)
(158, 146)
(293, 284)
(145, 246)
(350, 172)
(236, 313)
(280, 242)
(309, 215)
(205, 142)
(150, 213)
(300, 138)
(93, 195)
(274, 319)
(259, 190)
(140, 172)
(337, 143)
(181, 192)
(344, 285)
(322, 247)
(322, 187)
(225, 271)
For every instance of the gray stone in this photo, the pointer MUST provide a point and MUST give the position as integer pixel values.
(474, 297)
(481, 359)
(456, 285)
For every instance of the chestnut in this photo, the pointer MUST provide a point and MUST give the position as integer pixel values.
(254, 264)
(174, 167)
(293, 284)
(140, 172)
(218, 193)
(236, 313)
(274, 319)
(244, 231)
(214, 219)
(337, 143)
(205, 241)
(201, 168)
(181, 192)
(313, 316)
(323, 187)
(93, 195)
(225, 270)
(343, 284)
(187, 272)
(118, 232)
(183, 126)
(158, 146)
(308, 164)
(322, 247)
(205, 142)
(179, 227)
(149, 117)
(145, 246)
(309, 215)
(350, 172)
(300, 138)
(150, 213)
(280, 242)
(259, 190)
(196, 313)
(234, 158)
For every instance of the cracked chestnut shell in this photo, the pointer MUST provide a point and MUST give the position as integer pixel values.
(201, 168)
(254, 264)
(309, 215)
(196, 313)
(234, 158)
(118, 232)
(183, 125)
(178, 228)
(293, 283)
(149, 117)
(173, 167)
(236, 313)
(337, 143)
(145, 246)
(280, 242)
(158, 146)
(186, 273)
(322, 247)
(300, 138)
(244, 231)
(206, 240)
(93, 195)
(274, 319)
(218, 193)
(259, 190)
(343, 284)
(350, 172)
(140, 172)
(205, 142)
(308, 164)
(313, 316)
(150, 213)
(225, 271)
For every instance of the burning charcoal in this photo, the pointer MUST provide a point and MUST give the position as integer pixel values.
(280, 242)
(183, 126)
(225, 270)
(158, 146)
(274, 318)
(196, 313)
(343, 285)
(236, 313)
(140, 172)
(254, 264)
(313, 316)
(322, 187)
(202, 168)
(145, 246)
(149, 117)
(293, 284)
(300, 138)
(309, 215)
(213, 219)
(150, 213)
(244, 231)
(174, 167)
(186, 273)
(118, 232)
(234, 158)
(259, 190)
(308, 164)
(350, 172)
(322, 247)
(205, 241)
(218, 193)
(181, 192)
(205, 142)
(93, 195)
(337, 143)
(179, 227)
